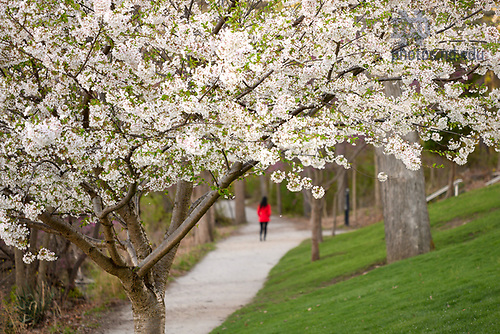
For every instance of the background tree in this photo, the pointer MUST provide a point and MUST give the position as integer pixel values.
(240, 216)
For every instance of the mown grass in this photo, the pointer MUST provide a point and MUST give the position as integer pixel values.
(453, 289)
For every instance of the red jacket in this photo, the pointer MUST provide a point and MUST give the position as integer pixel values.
(264, 213)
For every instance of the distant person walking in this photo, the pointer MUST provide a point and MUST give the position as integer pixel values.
(264, 212)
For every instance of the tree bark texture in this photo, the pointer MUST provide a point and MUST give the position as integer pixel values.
(240, 216)
(149, 319)
(407, 229)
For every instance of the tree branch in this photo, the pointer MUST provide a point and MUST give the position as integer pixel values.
(131, 192)
(223, 19)
(255, 85)
(39, 226)
(70, 233)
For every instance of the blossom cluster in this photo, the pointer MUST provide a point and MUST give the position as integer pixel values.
(110, 94)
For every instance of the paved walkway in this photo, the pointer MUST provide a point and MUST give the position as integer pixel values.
(225, 280)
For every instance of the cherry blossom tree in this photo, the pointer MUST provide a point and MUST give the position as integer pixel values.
(102, 101)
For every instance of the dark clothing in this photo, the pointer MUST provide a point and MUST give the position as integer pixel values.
(263, 229)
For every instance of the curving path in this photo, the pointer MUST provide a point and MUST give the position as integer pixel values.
(226, 279)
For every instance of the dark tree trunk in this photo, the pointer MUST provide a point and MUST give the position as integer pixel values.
(239, 202)
(20, 270)
(31, 268)
(43, 266)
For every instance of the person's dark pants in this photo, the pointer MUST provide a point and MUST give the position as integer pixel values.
(263, 229)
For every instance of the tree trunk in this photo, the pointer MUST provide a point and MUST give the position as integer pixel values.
(378, 200)
(406, 220)
(306, 205)
(20, 270)
(354, 194)
(407, 229)
(43, 266)
(150, 319)
(204, 232)
(148, 306)
(239, 202)
(498, 163)
(264, 189)
(316, 215)
(334, 213)
(279, 204)
(316, 207)
(342, 181)
(451, 178)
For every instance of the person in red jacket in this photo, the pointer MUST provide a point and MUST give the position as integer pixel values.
(264, 212)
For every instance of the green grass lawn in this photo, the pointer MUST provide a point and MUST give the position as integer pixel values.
(453, 289)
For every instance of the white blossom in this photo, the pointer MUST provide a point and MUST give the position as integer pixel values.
(318, 192)
(382, 177)
(46, 255)
(278, 176)
(29, 258)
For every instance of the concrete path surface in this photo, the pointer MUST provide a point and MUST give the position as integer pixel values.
(226, 279)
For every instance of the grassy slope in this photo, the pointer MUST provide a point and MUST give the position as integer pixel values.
(454, 289)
